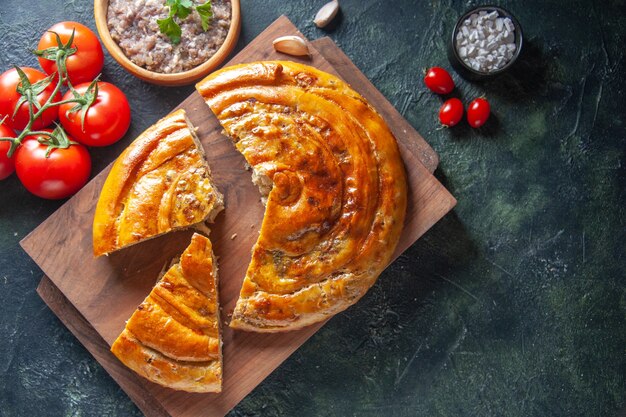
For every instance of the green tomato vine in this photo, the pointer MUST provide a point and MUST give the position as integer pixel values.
(30, 91)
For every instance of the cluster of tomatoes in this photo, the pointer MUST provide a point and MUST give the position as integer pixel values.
(52, 161)
(439, 81)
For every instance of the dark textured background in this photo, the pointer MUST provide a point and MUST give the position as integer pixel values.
(513, 305)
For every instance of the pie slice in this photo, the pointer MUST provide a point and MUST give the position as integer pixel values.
(160, 183)
(333, 182)
(173, 338)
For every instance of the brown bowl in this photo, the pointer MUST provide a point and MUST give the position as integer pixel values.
(179, 78)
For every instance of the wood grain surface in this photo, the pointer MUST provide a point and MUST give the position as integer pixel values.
(102, 293)
(132, 384)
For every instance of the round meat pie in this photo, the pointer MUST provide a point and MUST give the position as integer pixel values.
(334, 185)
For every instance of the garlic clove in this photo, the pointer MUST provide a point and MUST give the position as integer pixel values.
(326, 14)
(291, 45)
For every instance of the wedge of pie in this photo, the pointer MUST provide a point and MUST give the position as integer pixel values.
(334, 185)
(173, 338)
(160, 183)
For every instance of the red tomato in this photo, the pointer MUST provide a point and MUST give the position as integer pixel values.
(60, 175)
(9, 97)
(439, 81)
(7, 165)
(451, 112)
(478, 112)
(106, 121)
(83, 65)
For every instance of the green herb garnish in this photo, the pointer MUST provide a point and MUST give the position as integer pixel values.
(206, 14)
(181, 9)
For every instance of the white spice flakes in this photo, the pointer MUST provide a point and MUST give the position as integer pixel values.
(485, 41)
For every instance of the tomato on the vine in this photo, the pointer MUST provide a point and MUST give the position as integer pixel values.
(106, 119)
(478, 112)
(439, 81)
(84, 64)
(59, 174)
(7, 165)
(451, 112)
(10, 97)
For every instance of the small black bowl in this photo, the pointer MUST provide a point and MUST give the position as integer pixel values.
(465, 70)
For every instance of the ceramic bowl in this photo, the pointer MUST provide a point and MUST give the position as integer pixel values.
(179, 78)
(469, 72)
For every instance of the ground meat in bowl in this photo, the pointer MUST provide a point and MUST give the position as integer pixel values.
(133, 26)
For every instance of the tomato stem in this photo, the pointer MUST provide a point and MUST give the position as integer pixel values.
(41, 133)
(30, 92)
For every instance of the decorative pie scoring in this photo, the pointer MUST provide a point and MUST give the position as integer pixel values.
(160, 183)
(173, 338)
(334, 183)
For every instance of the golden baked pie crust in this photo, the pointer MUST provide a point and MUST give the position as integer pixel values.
(338, 195)
(173, 338)
(161, 182)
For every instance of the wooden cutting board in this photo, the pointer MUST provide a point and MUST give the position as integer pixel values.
(94, 297)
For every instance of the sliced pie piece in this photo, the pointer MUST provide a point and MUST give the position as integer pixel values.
(334, 185)
(161, 182)
(173, 338)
